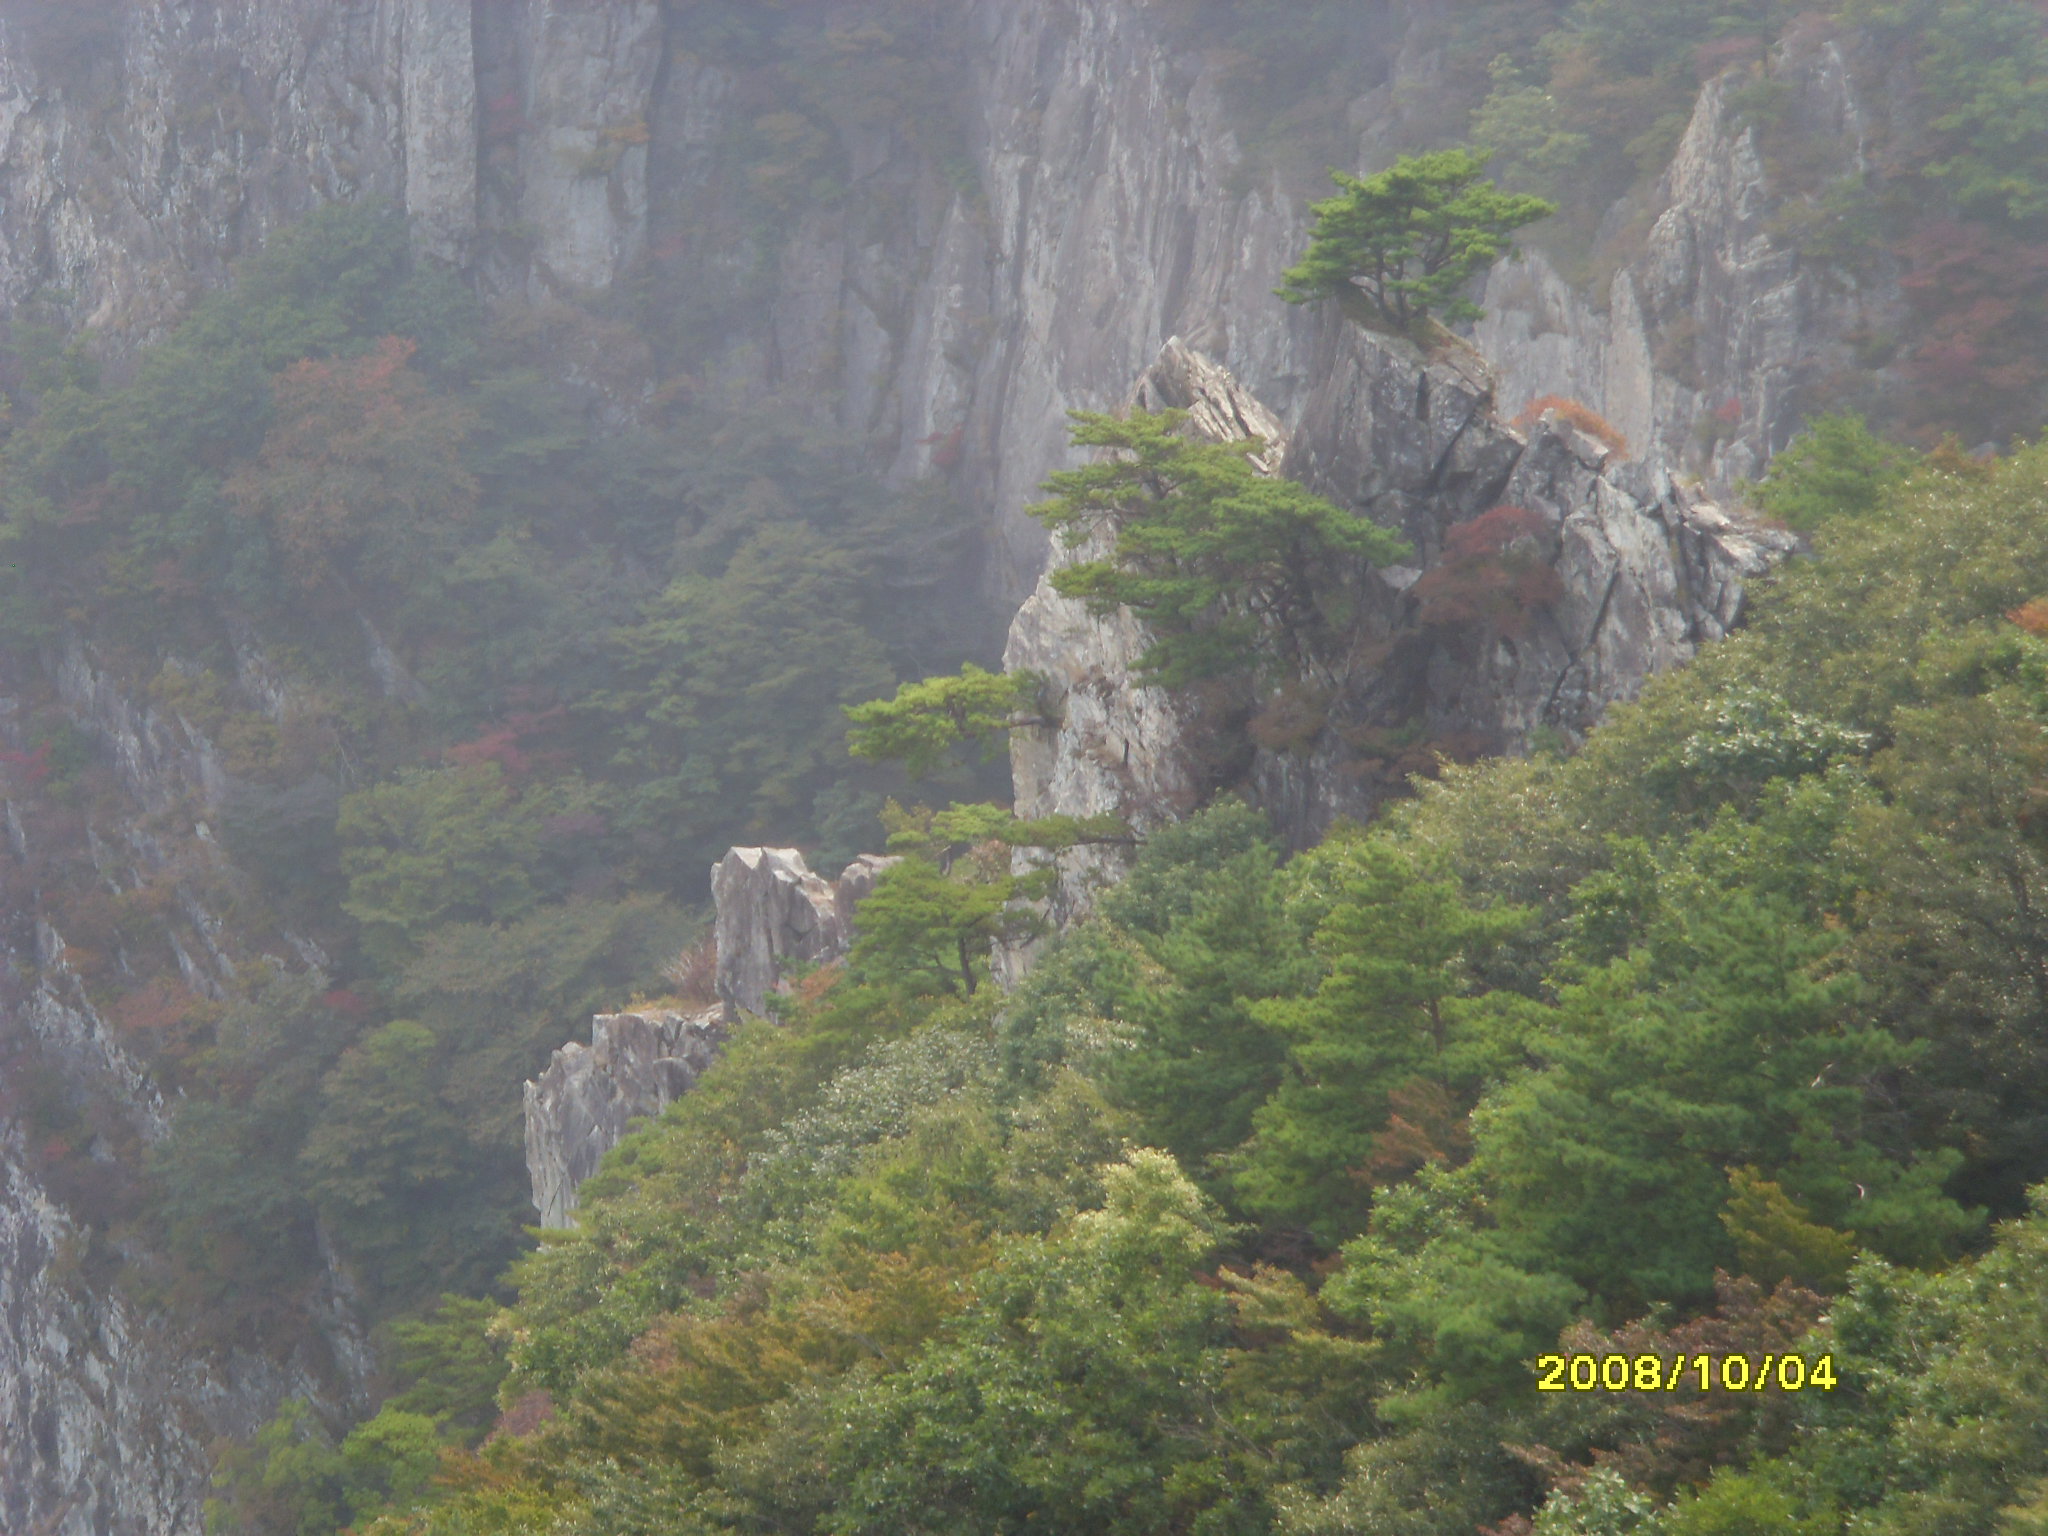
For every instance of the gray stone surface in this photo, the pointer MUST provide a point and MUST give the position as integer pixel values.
(107, 1410)
(578, 1109)
(1096, 201)
(773, 913)
(1710, 347)
(1648, 569)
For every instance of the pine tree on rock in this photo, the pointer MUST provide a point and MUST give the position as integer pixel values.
(1410, 238)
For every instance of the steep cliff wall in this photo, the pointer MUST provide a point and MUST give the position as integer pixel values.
(772, 915)
(579, 1108)
(106, 1412)
(946, 304)
(108, 1409)
(1711, 346)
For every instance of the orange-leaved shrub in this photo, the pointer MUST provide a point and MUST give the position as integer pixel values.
(1493, 577)
(1574, 413)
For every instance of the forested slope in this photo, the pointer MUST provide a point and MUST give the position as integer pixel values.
(1254, 1207)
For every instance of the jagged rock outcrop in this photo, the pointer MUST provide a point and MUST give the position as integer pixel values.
(1115, 748)
(1646, 567)
(108, 1410)
(141, 173)
(1094, 201)
(1645, 570)
(578, 1109)
(1712, 345)
(105, 1413)
(774, 913)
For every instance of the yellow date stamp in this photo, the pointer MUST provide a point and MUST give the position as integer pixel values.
(1702, 1373)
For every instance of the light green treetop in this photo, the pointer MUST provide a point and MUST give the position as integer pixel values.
(1411, 237)
(1224, 564)
(926, 720)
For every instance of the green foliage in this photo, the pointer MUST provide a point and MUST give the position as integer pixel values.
(1524, 129)
(452, 1365)
(730, 690)
(1749, 739)
(230, 1200)
(1410, 238)
(1775, 1240)
(1603, 1505)
(1753, 982)
(928, 929)
(1835, 468)
(1074, 1393)
(926, 720)
(1949, 1393)
(1399, 944)
(440, 845)
(294, 1479)
(1203, 906)
(385, 1157)
(1548, 1048)
(501, 998)
(1435, 1280)
(1645, 36)
(1609, 1159)
(387, 1460)
(1228, 568)
(361, 473)
(288, 1480)
(1982, 66)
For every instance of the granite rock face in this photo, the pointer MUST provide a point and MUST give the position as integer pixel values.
(568, 102)
(579, 1108)
(1710, 347)
(107, 1410)
(1645, 570)
(948, 308)
(944, 312)
(105, 1413)
(1646, 567)
(774, 913)
(1114, 747)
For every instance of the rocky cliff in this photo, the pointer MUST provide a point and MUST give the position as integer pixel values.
(108, 1410)
(772, 916)
(958, 293)
(1629, 569)
(107, 1414)
(579, 1108)
(1711, 345)
(946, 306)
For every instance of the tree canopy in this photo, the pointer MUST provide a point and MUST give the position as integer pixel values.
(1410, 238)
(1225, 565)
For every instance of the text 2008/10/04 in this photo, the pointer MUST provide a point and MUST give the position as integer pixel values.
(1699, 1373)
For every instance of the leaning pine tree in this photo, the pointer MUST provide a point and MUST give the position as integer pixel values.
(1409, 239)
(1224, 564)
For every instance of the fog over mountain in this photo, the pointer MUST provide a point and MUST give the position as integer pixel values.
(1245, 729)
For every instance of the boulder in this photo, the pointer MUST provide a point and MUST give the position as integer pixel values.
(773, 913)
(579, 1108)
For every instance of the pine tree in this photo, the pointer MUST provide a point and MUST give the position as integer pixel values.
(1410, 238)
(1224, 564)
